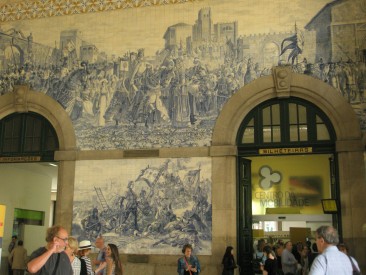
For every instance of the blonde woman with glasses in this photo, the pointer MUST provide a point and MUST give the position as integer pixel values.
(71, 251)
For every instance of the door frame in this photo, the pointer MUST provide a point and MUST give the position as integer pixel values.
(245, 242)
(22, 100)
(349, 148)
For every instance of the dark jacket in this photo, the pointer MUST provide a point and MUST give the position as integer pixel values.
(229, 265)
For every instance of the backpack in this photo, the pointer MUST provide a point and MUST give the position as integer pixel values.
(256, 264)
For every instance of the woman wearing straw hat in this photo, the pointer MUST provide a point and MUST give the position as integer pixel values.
(84, 251)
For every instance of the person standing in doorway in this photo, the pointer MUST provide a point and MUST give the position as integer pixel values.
(288, 260)
(331, 260)
(11, 246)
(259, 258)
(18, 259)
(270, 266)
(51, 259)
(13, 243)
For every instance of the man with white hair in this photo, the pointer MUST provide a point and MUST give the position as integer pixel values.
(331, 261)
(99, 243)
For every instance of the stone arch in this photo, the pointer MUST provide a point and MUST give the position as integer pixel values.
(349, 148)
(21, 100)
(322, 95)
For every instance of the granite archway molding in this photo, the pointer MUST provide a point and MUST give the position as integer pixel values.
(349, 149)
(23, 99)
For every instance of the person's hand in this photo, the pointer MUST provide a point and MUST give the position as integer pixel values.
(194, 269)
(101, 266)
(55, 247)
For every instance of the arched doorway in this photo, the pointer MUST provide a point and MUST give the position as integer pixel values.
(24, 100)
(27, 135)
(348, 148)
(286, 163)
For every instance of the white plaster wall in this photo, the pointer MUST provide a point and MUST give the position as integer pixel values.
(26, 189)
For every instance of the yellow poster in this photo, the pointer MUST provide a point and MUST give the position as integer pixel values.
(2, 221)
(290, 184)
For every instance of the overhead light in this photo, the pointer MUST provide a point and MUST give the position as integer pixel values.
(52, 164)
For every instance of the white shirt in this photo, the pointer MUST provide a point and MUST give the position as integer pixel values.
(330, 262)
(76, 266)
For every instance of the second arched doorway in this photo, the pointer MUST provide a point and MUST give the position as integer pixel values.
(344, 145)
(286, 157)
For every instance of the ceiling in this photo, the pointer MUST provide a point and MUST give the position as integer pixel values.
(44, 168)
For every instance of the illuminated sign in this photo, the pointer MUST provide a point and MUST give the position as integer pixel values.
(279, 151)
(2, 220)
(20, 159)
(329, 206)
(285, 183)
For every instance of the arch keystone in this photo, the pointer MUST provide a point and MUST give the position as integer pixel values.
(20, 98)
(282, 77)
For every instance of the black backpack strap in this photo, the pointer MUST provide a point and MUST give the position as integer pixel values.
(58, 260)
(354, 268)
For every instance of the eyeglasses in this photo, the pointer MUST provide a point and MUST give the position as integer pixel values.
(64, 239)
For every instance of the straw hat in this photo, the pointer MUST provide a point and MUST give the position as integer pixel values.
(84, 245)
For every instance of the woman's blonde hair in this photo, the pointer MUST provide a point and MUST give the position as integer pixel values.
(73, 244)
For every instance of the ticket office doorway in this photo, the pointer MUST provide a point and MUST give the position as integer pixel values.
(286, 166)
(287, 193)
(29, 176)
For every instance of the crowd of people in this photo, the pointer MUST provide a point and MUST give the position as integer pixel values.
(325, 256)
(63, 255)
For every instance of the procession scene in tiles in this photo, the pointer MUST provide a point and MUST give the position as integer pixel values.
(162, 79)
